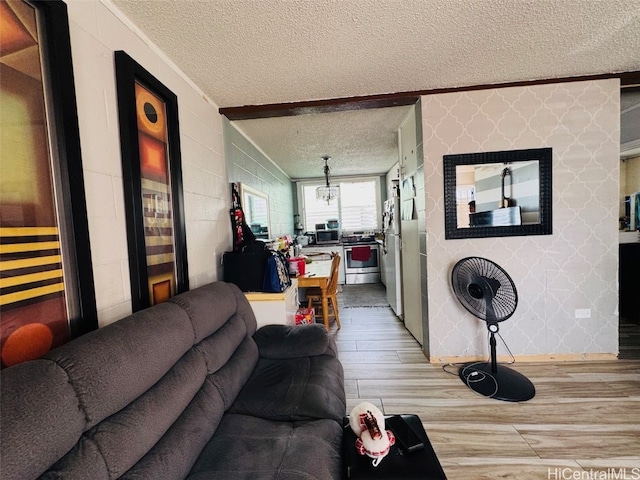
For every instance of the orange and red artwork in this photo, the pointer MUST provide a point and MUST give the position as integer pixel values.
(156, 194)
(152, 179)
(33, 307)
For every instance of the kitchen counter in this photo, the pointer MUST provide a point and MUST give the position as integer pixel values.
(629, 237)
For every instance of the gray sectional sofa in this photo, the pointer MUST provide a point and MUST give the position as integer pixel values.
(185, 389)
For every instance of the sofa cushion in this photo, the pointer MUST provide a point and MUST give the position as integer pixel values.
(174, 455)
(249, 448)
(285, 341)
(294, 389)
(207, 316)
(131, 355)
(41, 418)
(111, 445)
(230, 379)
(218, 348)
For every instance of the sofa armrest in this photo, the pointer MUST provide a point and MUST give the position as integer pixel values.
(286, 341)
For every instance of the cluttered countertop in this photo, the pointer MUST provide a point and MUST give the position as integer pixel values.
(355, 238)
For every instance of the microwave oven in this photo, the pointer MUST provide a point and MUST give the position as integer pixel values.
(327, 236)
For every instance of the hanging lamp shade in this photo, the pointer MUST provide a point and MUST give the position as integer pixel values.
(327, 192)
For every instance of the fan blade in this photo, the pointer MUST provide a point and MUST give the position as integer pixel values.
(484, 289)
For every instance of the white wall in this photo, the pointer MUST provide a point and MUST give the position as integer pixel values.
(247, 164)
(97, 30)
(576, 266)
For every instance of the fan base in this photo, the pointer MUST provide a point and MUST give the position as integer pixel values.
(505, 384)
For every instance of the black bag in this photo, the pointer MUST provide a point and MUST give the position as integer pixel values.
(246, 268)
(276, 273)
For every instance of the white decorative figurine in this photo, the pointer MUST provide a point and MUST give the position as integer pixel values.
(367, 422)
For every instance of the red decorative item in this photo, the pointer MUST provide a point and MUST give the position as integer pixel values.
(379, 455)
(305, 316)
(297, 266)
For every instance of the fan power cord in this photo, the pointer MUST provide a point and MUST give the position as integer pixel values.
(446, 367)
(453, 365)
(476, 376)
(513, 358)
(471, 377)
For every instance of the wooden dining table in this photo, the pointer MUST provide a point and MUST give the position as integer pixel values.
(317, 274)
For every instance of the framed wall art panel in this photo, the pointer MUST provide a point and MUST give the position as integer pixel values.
(152, 175)
(47, 292)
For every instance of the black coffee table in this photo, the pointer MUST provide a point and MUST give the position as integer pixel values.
(421, 464)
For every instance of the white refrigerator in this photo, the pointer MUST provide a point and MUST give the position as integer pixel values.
(391, 250)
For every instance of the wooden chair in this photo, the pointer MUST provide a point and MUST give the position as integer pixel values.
(314, 294)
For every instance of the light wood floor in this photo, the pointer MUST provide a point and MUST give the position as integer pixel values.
(585, 416)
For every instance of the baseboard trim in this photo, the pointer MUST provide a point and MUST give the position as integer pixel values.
(552, 357)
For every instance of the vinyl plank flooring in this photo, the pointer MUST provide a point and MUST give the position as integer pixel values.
(478, 440)
(584, 419)
(582, 441)
(369, 357)
(492, 468)
(537, 410)
(347, 345)
(373, 336)
(392, 344)
(585, 388)
(409, 388)
(601, 465)
(351, 388)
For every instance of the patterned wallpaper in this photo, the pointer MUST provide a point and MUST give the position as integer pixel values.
(575, 267)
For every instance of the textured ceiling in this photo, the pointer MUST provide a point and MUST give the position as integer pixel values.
(369, 145)
(250, 52)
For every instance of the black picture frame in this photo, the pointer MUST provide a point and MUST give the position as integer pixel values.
(128, 72)
(544, 227)
(64, 112)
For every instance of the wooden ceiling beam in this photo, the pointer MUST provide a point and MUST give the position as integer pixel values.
(247, 112)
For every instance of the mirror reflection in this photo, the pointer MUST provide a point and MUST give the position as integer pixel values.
(498, 194)
(494, 194)
(256, 210)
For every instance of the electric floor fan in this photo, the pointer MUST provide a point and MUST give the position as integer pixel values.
(487, 292)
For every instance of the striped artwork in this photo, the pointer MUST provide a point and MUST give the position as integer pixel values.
(156, 195)
(152, 179)
(32, 298)
(33, 309)
(31, 265)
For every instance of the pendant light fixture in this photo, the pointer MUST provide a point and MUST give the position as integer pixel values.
(327, 192)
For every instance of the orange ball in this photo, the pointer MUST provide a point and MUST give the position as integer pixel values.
(28, 342)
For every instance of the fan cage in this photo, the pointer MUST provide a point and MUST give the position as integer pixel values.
(472, 270)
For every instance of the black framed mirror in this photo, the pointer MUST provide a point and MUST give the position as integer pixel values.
(498, 194)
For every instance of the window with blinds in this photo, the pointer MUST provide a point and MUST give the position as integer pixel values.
(356, 208)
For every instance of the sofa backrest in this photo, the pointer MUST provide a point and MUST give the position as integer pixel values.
(136, 399)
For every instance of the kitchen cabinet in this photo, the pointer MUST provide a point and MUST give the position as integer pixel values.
(275, 308)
